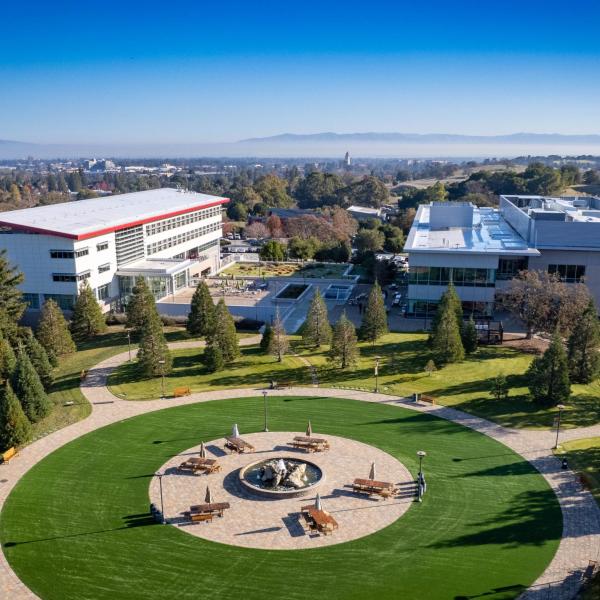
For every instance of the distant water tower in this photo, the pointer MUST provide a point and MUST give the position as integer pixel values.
(347, 159)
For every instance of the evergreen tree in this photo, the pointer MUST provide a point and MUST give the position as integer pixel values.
(8, 360)
(39, 360)
(469, 336)
(29, 389)
(448, 301)
(499, 388)
(265, 340)
(53, 332)
(316, 330)
(88, 320)
(278, 345)
(140, 305)
(374, 323)
(548, 375)
(15, 428)
(446, 343)
(12, 306)
(344, 348)
(213, 358)
(153, 349)
(583, 345)
(223, 334)
(201, 316)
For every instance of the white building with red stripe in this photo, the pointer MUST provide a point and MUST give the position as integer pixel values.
(167, 236)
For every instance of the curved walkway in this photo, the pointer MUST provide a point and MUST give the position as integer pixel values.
(581, 515)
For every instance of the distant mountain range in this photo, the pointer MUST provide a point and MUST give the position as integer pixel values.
(329, 145)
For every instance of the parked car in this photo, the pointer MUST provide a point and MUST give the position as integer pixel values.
(397, 300)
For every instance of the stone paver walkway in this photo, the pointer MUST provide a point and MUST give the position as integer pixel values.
(256, 522)
(581, 515)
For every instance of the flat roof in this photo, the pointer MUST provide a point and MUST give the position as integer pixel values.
(156, 266)
(82, 219)
(367, 210)
(490, 233)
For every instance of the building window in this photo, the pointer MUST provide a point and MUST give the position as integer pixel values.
(82, 252)
(63, 277)
(62, 254)
(510, 267)
(104, 268)
(568, 273)
(102, 246)
(129, 244)
(84, 276)
(32, 301)
(181, 220)
(64, 301)
(104, 292)
(461, 277)
(183, 237)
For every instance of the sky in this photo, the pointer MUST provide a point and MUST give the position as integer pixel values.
(191, 71)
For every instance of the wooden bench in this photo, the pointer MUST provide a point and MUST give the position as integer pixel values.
(428, 399)
(280, 385)
(83, 374)
(201, 517)
(179, 392)
(10, 453)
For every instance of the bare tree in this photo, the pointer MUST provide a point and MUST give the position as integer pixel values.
(257, 230)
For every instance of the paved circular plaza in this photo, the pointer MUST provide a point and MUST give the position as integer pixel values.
(257, 522)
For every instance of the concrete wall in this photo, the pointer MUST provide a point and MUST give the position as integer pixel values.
(450, 214)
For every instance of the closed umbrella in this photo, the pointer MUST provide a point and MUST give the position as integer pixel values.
(235, 432)
(372, 474)
(208, 496)
(309, 430)
(318, 504)
(202, 450)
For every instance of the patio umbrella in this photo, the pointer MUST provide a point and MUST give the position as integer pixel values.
(202, 450)
(208, 496)
(235, 431)
(309, 430)
(318, 504)
(372, 471)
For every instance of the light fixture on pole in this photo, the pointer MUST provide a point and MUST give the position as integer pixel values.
(162, 373)
(266, 429)
(560, 407)
(162, 511)
(129, 343)
(377, 359)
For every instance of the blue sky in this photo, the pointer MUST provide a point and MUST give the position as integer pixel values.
(209, 72)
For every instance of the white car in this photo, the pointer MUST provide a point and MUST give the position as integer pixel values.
(397, 300)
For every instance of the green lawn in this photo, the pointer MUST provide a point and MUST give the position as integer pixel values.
(77, 525)
(584, 457)
(310, 270)
(252, 369)
(463, 385)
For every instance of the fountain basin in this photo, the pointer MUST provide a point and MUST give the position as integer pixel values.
(256, 477)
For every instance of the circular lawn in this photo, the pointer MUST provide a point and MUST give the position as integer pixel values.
(77, 525)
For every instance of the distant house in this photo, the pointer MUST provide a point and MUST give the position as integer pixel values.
(362, 213)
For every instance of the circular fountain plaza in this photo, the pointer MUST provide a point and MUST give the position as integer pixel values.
(267, 488)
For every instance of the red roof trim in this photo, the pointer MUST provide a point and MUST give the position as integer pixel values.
(85, 236)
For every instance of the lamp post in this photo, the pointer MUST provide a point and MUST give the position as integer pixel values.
(129, 343)
(162, 374)
(266, 429)
(421, 454)
(162, 511)
(560, 407)
(377, 359)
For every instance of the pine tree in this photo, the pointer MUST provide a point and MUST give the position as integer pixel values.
(469, 336)
(583, 346)
(12, 306)
(202, 309)
(344, 348)
(448, 301)
(499, 388)
(15, 428)
(213, 358)
(53, 332)
(265, 340)
(223, 334)
(153, 355)
(374, 323)
(279, 345)
(446, 343)
(317, 330)
(140, 305)
(88, 320)
(39, 360)
(548, 375)
(8, 360)
(29, 389)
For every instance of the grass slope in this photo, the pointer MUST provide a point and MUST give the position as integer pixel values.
(76, 526)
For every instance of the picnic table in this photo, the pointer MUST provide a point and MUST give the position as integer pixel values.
(371, 486)
(213, 508)
(311, 444)
(236, 444)
(320, 520)
(200, 465)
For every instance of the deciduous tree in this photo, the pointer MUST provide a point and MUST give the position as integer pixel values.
(278, 345)
(344, 347)
(272, 250)
(499, 389)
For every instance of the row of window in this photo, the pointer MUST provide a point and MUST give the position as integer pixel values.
(62, 277)
(568, 273)
(64, 301)
(179, 221)
(181, 238)
(458, 275)
(77, 253)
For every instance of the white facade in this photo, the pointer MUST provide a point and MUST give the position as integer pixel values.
(173, 237)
